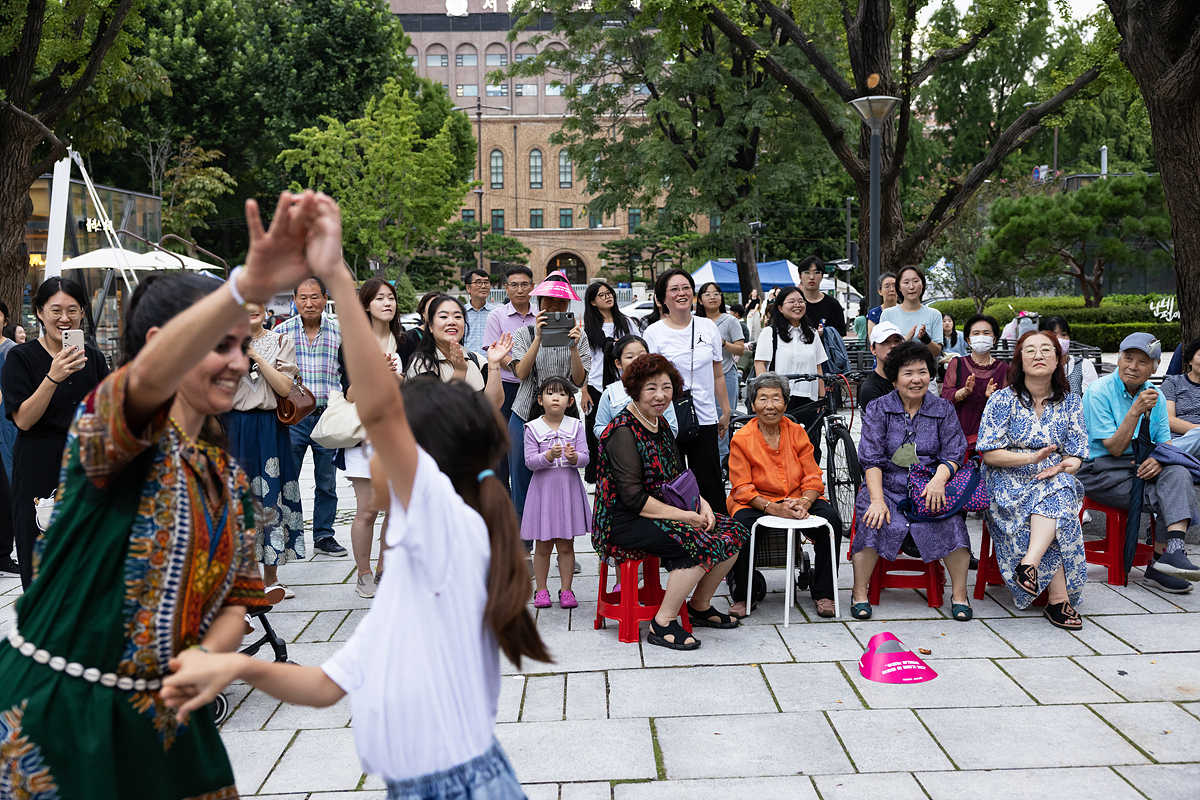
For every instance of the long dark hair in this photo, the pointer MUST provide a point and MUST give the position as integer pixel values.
(465, 435)
(425, 356)
(555, 382)
(783, 328)
(593, 320)
(700, 310)
(1059, 387)
(52, 286)
(366, 294)
(953, 331)
(612, 354)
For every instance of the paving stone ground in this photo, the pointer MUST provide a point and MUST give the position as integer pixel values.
(1019, 710)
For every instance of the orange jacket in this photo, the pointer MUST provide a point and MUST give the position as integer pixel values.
(756, 470)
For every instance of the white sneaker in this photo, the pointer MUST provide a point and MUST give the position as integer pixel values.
(366, 585)
(288, 594)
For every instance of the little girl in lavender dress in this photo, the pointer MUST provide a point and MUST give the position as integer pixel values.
(556, 507)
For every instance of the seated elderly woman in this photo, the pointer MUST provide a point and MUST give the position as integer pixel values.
(638, 457)
(907, 427)
(1033, 439)
(773, 473)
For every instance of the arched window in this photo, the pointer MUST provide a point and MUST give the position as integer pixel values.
(466, 56)
(436, 56)
(497, 164)
(535, 169)
(564, 170)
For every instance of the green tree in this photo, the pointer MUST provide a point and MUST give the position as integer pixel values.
(962, 272)
(457, 250)
(1115, 223)
(396, 188)
(66, 69)
(190, 187)
(406, 295)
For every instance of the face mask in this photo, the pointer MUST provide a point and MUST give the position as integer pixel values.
(981, 344)
(1065, 344)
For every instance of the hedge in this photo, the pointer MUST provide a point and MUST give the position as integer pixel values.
(1108, 336)
(1114, 309)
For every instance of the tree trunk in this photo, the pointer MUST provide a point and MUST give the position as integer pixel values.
(743, 253)
(15, 211)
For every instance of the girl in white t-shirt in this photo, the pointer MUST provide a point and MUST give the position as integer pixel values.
(789, 345)
(422, 669)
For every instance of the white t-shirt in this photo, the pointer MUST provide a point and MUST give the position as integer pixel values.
(422, 669)
(596, 373)
(696, 368)
(796, 356)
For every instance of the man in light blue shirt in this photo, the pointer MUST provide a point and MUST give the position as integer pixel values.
(479, 285)
(1113, 408)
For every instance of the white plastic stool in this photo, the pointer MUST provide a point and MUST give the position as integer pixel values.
(791, 526)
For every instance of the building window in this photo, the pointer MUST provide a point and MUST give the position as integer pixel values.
(466, 60)
(497, 220)
(414, 58)
(526, 90)
(554, 89)
(564, 170)
(566, 218)
(519, 57)
(535, 169)
(467, 90)
(536, 218)
(595, 220)
(635, 219)
(468, 215)
(641, 88)
(437, 59)
(496, 59)
(497, 164)
(500, 90)
(714, 222)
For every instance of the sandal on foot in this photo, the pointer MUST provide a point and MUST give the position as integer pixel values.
(734, 615)
(566, 599)
(1026, 576)
(961, 612)
(680, 639)
(825, 608)
(1063, 615)
(541, 599)
(860, 610)
(710, 618)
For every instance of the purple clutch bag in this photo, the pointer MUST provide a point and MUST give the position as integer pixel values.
(683, 492)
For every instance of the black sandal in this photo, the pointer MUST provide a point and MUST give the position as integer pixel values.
(1063, 615)
(1026, 576)
(658, 635)
(705, 618)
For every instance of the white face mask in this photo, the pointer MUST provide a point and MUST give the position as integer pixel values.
(981, 343)
(1065, 344)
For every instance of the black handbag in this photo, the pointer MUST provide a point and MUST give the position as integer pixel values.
(685, 406)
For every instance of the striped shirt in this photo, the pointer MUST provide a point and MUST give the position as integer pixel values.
(549, 361)
(318, 360)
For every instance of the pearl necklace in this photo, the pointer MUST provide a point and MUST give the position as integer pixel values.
(652, 427)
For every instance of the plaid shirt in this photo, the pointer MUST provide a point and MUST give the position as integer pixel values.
(318, 360)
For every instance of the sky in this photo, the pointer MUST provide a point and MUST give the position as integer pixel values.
(1079, 8)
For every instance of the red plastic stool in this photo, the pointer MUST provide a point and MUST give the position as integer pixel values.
(632, 605)
(988, 572)
(1110, 550)
(931, 578)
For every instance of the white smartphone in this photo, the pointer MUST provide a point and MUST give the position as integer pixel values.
(73, 338)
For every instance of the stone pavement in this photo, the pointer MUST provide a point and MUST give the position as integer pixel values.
(1019, 710)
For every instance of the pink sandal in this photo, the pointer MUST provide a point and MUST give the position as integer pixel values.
(566, 599)
(541, 599)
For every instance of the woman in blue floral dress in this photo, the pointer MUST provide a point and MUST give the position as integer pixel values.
(1033, 440)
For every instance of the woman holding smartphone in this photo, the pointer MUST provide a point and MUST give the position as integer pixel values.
(43, 383)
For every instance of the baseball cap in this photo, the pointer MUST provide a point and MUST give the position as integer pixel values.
(1144, 342)
(883, 331)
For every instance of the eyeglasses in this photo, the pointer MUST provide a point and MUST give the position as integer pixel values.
(606, 295)
(679, 290)
(1045, 350)
(519, 287)
(70, 313)
(482, 282)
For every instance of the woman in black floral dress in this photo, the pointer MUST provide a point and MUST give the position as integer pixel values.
(637, 457)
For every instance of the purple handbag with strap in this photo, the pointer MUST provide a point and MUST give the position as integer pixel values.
(683, 491)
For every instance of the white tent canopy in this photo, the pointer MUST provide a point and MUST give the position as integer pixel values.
(116, 258)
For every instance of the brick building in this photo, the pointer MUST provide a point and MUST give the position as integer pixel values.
(530, 188)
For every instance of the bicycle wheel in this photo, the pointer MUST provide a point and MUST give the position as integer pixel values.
(843, 476)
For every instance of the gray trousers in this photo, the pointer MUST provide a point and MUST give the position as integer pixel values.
(1172, 496)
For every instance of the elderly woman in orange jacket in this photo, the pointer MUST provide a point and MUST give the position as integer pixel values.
(773, 473)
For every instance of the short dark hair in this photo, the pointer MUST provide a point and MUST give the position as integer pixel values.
(915, 269)
(883, 276)
(518, 269)
(1188, 352)
(320, 283)
(990, 320)
(906, 353)
(811, 261)
(645, 367)
(1052, 322)
(737, 308)
(4, 311)
(660, 285)
(480, 273)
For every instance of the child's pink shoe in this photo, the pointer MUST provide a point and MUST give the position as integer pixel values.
(541, 599)
(566, 599)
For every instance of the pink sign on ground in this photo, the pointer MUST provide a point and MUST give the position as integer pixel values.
(887, 661)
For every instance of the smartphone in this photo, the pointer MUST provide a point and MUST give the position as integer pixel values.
(558, 325)
(73, 338)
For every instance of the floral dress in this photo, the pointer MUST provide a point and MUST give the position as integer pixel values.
(134, 568)
(635, 463)
(1008, 424)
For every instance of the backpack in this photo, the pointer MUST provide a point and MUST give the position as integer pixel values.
(835, 349)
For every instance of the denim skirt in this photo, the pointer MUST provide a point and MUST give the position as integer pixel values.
(487, 776)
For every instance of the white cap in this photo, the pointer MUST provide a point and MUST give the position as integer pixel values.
(884, 331)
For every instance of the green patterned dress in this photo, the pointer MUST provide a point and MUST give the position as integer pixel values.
(134, 568)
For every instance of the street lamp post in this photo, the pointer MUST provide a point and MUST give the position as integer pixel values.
(479, 107)
(874, 109)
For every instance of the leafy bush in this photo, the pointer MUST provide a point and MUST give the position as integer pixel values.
(1108, 336)
(1122, 308)
(406, 295)
(959, 309)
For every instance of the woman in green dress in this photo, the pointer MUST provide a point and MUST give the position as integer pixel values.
(150, 551)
